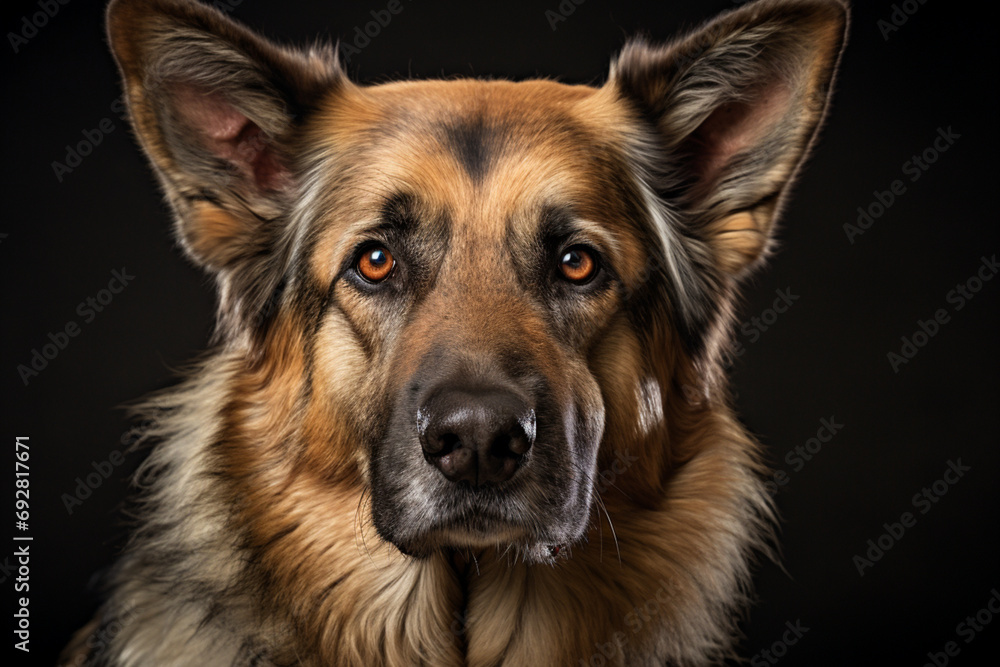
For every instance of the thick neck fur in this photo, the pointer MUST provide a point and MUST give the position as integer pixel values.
(253, 552)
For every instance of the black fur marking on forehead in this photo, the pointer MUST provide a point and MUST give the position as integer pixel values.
(399, 210)
(475, 141)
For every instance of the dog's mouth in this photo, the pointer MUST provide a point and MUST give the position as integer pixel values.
(479, 520)
(504, 541)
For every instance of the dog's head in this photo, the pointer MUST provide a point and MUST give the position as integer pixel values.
(476, 293)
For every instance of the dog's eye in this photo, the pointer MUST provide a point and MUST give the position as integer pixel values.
(577, 264)
(375, 264)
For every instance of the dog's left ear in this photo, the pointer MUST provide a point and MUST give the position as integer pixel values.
(734, 107)
(217, 109)
(213, 104)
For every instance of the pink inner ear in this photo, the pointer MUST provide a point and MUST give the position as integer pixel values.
(734, 127)
(230, 135)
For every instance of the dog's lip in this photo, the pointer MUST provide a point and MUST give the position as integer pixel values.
(486, 525)
(478, 530)
(465, 536)
(462, 537)
(530, 547)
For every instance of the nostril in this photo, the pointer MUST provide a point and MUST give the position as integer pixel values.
(522, 436)
(448, 443)
(500, 452)
(501, 446)
(519, 446)
(458, 465)
(507, 445)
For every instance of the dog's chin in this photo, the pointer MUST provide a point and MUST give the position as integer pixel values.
(515, 524)
(509, 542)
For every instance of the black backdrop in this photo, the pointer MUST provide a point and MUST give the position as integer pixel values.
(825, 358)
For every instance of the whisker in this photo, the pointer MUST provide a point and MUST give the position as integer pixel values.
(358, 521)
(614, 535)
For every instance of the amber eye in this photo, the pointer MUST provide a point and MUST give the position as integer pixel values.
(577, 264)
(375, 264)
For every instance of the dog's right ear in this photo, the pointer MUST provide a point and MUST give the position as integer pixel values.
(214, 106)
(729, 113)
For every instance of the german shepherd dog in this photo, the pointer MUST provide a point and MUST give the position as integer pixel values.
(466, 404)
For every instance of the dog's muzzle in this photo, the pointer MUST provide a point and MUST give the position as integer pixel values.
(482, 450)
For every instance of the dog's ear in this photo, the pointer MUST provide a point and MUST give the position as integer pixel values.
(729, 113)
(215, 106)
(735, 108)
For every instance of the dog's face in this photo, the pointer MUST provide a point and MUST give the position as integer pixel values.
(474, 238)
(485, 288)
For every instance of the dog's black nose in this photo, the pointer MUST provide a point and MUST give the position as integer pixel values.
(478, 436)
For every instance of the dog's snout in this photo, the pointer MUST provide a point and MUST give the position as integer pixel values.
(476, 436)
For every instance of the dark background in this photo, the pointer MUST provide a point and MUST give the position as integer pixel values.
(825, 357)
